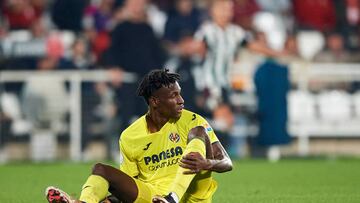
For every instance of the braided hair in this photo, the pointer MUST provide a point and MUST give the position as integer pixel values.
(154, 80)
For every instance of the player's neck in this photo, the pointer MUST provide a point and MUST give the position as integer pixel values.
(155, 122)
(222, 25)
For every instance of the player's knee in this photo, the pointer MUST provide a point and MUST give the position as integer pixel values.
(99, 169)
(198, 132)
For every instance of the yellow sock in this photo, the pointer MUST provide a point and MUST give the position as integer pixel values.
(182, 181)
(94, 190)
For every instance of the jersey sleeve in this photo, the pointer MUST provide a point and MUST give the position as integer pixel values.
(198, 120)
(204, 34)
(243, 38)
(127, 164)
(199, 35)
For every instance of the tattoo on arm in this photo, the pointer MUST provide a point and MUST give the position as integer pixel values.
(221, 161)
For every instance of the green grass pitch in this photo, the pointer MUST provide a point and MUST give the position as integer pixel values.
(296, 180)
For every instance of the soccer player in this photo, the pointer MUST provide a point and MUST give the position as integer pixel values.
(222, 40)
(167, 155)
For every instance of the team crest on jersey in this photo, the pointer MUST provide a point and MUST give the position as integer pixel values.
(174, 137)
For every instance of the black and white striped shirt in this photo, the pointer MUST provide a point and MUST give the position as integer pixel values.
(222, 46)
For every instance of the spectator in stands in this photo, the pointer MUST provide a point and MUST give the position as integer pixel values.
(99, 16)
(67, 14)
(183, 20)
(80, 56)
(156, 19)
(348, 22)
(164, 5)
(244, 11)
(38, 30)
(24, 49)
(19, 14)
(39, 6)
(314, 14)
(134, 49)
(98, 23)
(335, 51)
(99, 43)
(134, 31)
(291, 45)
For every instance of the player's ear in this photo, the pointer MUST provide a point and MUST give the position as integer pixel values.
(153, 101)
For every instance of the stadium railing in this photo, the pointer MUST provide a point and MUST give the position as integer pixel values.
(75, 78)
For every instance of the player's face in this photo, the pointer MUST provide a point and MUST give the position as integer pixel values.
(170, 102)
(222, 12)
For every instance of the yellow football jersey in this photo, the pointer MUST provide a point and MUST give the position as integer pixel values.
(154, 157)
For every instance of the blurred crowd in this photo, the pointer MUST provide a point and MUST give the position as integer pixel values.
(136, 36)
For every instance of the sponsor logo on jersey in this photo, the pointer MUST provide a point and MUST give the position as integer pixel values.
(163, 164)
(207, 127)
(174, 137)
(166, 154)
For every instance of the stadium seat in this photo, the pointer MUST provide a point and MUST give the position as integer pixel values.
(310, 43)
(356, 102)
(301, 107)
(334, 106)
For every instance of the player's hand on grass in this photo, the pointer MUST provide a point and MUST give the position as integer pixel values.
(194, 162)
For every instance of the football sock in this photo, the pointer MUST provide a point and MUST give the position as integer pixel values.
(94, 190)
(182, 181)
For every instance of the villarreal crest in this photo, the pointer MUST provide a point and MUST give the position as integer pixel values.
(174, 137)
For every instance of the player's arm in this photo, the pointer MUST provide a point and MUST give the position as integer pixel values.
(216, 157)
(218, 160)
(259, 47)
(221, 161)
